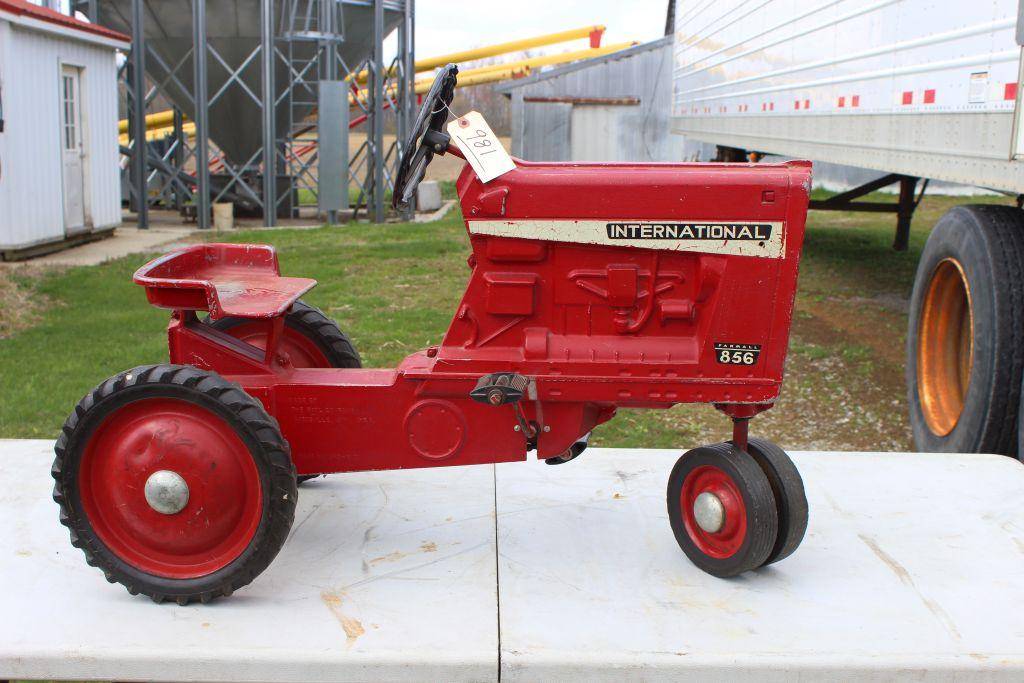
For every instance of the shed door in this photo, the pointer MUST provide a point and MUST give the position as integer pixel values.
(72, 149)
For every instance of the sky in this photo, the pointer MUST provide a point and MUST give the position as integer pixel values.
(443, 26)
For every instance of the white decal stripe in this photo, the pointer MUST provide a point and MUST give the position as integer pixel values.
(596, 232)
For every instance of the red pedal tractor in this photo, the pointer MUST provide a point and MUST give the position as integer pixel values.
(592, 287)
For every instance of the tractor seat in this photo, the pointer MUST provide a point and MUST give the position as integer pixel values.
(228, 280)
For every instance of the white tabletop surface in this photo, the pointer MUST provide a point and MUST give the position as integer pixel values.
(912, 568)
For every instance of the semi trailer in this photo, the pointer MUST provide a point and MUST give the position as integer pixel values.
(916, 90)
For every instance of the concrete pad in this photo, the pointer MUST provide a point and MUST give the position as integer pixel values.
(385, 576)
(124, 241)
(428, 195)
(910, 571)
(436, 215)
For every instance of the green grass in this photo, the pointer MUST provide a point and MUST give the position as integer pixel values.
(307, 197)
(394, 289)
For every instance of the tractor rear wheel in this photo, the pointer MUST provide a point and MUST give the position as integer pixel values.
(965, 339)
(174, 482)
(722, 510)
(311, 339)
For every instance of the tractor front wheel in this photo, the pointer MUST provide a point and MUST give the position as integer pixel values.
(174, 482)
(722, 510)
(788, 490)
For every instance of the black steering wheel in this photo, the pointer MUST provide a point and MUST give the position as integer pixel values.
(425, 141)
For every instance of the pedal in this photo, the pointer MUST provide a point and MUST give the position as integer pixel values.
(499, 388)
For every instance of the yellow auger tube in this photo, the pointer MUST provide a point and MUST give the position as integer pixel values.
(547, 60)
(504, 48)
(431, 63)
(158, 120)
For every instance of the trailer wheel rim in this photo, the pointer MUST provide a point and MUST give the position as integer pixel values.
(726, 541)
(302, 351)
(945, 347)
(225, 497)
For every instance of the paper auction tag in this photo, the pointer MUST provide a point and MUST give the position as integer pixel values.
(481, 147)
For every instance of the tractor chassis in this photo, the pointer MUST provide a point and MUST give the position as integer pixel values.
(424, 416)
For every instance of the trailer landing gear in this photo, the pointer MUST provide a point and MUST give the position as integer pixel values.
(733, 510)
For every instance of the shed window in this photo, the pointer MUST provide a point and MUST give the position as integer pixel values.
(70, 113)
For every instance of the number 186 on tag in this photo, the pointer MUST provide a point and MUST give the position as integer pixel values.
(481, 147)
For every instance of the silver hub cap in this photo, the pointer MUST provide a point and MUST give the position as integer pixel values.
(166, 492)
(709, 512)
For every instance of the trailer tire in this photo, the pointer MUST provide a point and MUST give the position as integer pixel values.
(313, 339)
(965, 338)
(207, 435)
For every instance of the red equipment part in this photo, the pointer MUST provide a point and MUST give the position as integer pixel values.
(723, 542)
(593, 325)
(592, 287)
(224, 505)
(301, 351)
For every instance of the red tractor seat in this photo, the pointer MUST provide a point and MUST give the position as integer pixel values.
(228, 280)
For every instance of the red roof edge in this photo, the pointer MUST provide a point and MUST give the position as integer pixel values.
(27, 9)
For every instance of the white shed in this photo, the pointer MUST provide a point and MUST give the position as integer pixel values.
(59, 176)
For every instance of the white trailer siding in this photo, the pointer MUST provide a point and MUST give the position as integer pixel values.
(31, 189)
(922, 87)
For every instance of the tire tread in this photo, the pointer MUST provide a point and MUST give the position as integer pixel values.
(311, 322)
(250, 414)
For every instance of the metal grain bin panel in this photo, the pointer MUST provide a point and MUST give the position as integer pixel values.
(571, 108)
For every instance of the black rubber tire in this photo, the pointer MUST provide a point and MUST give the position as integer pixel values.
(1020, 426)
(754, 487)
(988, 242)
(788, 490)
(258, 430)
(312, 324)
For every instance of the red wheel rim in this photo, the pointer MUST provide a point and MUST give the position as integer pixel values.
(225, 497)
(726, 541)
(302, 351)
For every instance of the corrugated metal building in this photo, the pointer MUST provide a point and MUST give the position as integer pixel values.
(59, 176)
(610, 108)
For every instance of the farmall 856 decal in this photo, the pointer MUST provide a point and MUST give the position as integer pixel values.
(741, 238)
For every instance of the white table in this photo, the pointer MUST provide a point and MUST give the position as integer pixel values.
(913, 568)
